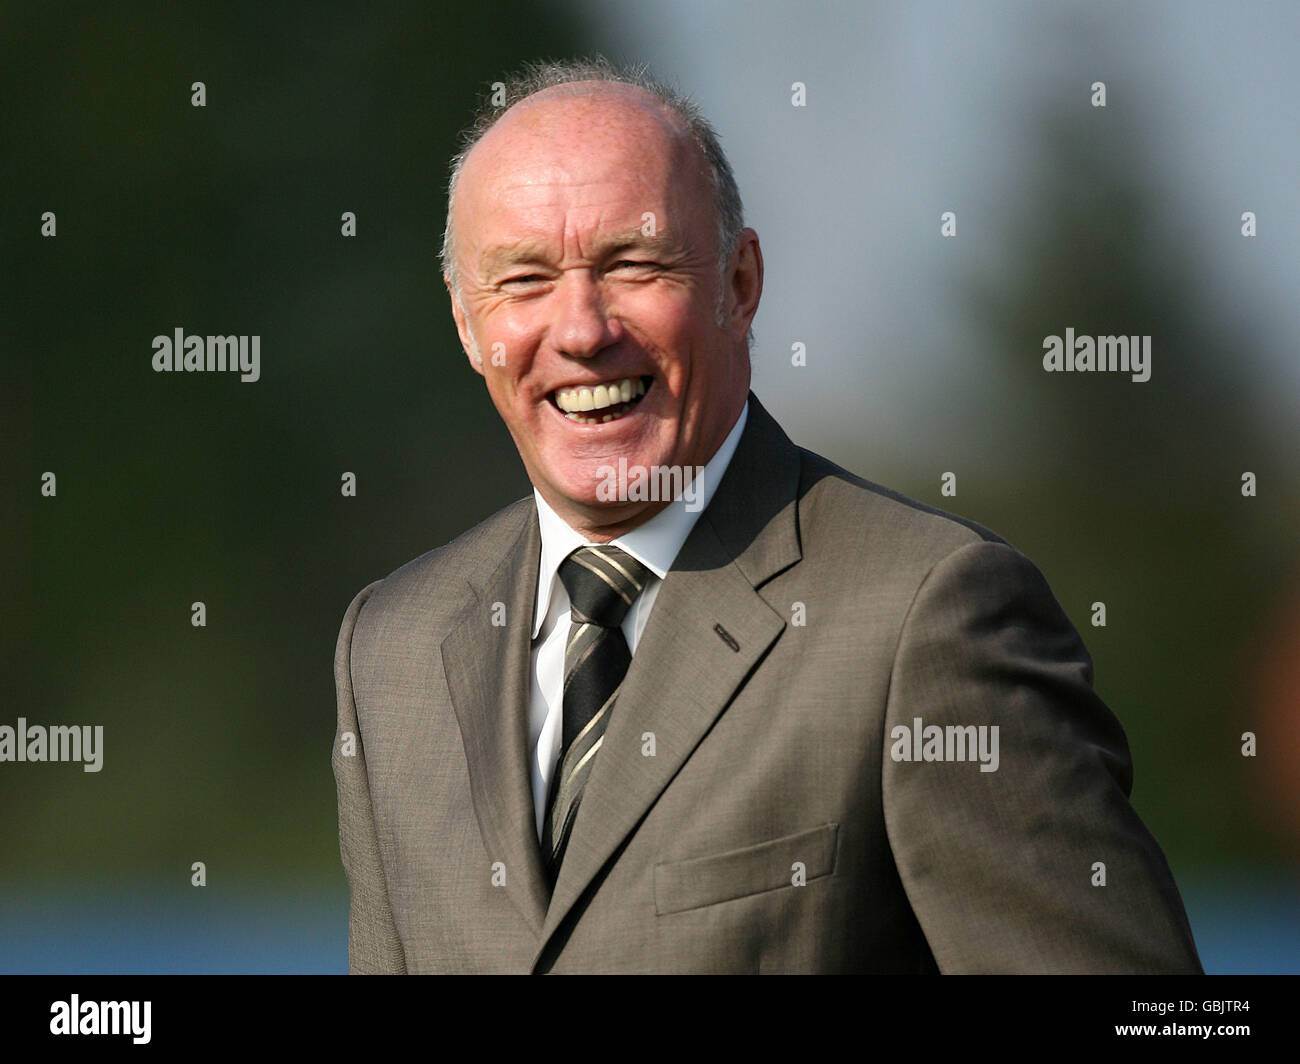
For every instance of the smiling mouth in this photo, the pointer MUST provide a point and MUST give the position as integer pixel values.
(600, 403)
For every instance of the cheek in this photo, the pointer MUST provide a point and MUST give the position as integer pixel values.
(666, 311)
(671, 326)
(511, 335)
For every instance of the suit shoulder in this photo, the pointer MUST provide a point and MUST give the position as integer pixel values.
(836, 504)
(466, 560)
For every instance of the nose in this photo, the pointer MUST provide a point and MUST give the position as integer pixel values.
(581, 326)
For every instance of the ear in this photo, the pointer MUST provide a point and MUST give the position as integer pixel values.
(462, 327)
(744, 285)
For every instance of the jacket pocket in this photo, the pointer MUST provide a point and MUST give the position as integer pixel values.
(690, 884)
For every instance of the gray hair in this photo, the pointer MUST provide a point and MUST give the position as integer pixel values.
(536, 76)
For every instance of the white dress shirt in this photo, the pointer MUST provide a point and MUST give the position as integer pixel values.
(655, 545)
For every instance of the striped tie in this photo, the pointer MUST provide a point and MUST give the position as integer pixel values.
(602, 583)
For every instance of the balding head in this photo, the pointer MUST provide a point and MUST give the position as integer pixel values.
(590, 78)
(581, 136)
(585, 116)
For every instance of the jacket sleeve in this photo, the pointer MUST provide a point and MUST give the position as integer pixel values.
(1003, 865)
(373, 944)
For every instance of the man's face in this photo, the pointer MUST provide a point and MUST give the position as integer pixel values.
(587, 251)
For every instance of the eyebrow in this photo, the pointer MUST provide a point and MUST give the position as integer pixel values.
(527, 253)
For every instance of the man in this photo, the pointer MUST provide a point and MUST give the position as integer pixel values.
(772, 718)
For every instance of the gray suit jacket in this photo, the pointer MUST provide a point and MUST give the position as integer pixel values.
(747, 812)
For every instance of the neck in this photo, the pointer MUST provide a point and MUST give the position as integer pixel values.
(606, 524)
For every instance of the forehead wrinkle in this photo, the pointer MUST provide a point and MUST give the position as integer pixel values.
(527, 250)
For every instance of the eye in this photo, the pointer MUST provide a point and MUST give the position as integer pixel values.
(528, 278)
(636, 264)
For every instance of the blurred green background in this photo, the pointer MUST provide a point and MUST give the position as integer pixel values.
(176, 488)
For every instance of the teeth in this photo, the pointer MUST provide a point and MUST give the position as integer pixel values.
(572, 400)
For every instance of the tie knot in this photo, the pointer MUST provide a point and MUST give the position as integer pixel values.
(602, 583)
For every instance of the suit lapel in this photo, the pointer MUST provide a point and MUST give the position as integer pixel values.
(487, 672)
(708, 630)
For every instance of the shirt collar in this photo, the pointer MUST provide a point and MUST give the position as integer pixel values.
(654, 544)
